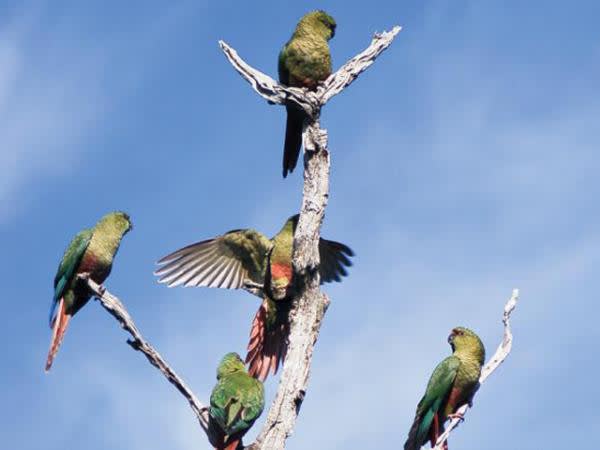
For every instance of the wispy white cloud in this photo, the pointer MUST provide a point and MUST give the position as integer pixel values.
(49, 97)
(54, 90)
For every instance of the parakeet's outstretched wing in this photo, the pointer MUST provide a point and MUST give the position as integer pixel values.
(234, 260)
(335, 257)
(439, 387)
(68, 266)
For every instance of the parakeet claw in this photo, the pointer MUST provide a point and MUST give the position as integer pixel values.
(101, 289)
(84, 276)
(458, 416)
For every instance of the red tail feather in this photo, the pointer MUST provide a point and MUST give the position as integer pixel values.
(220, 441)
(434, 431)
(268, 342)
(59, 328)
(233, 445)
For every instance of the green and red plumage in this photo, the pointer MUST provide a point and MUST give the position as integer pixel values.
(246, 259)
(91, 251)
(236, 402)
(452, 384)
(304, 61)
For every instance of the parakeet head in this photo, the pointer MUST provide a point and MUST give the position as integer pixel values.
(463, 340)
(320, 22)
(230, 363)
(118, 220)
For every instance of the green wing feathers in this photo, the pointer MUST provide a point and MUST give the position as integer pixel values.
(335, 257)
(236, 402)
(304, 62)
(284, 73)
(68, 266)
(439, 387)
(229, 261)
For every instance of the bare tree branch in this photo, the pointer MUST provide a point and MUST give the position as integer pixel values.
(116, 309)
(310, 101)
(501, 353)
(309, 303)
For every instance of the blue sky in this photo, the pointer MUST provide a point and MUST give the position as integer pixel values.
(464, 163)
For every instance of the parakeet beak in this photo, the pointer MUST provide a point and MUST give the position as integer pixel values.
(451, 337)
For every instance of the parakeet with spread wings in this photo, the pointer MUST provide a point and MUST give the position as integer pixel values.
(247, 259)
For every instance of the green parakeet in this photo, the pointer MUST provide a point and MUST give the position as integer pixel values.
(304, 61)
(247, 259)
(452, 384)
(235, 403)
(91, 251)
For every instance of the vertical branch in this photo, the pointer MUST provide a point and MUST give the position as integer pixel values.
(309, 303)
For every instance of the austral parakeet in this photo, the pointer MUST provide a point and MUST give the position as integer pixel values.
(91, 251)
(247, 259)
(304, 61)
(235, 403)
(452, 384)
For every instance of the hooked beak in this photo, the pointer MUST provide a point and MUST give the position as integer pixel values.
(451, 337)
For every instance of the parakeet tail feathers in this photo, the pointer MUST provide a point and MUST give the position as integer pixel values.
(293, 139)
(59, 327)
(268, 342)
(233, 445)
(435, 430)
(412, 443)
(219, 440)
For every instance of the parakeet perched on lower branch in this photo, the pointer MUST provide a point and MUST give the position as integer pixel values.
(235, 403)
(247, 259)
(452, 384)
(91, 251)
(304, 61)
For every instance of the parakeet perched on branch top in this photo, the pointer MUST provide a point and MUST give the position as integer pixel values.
(235, 403)
(247, 259)
(91, 251)
(303, 62)
(452, 384)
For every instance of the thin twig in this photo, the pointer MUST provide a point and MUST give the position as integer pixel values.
(115, 308)
(501, 353)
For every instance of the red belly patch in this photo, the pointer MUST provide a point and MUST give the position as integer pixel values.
(279, 271)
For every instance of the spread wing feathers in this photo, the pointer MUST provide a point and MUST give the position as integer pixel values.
(268, 338)
(438, 389)
(229, 261)
(68, 266)
(335, 257)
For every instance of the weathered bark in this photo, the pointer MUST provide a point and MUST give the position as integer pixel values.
(116, 309)
(309, 303)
